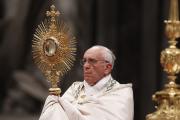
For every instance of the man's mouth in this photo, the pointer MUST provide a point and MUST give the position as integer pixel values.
(87, 74)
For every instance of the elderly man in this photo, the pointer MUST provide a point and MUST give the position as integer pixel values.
(98, 97)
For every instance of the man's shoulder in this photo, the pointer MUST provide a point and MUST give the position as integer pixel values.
(73, 90)
(115, 85)
(77, 83)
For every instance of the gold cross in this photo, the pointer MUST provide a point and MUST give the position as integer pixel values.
(53, 13)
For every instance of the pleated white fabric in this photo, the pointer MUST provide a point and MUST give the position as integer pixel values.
(107, 100)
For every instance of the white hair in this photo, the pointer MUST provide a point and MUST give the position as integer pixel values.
(107, 53)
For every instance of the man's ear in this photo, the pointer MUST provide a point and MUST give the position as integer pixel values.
(108, 68)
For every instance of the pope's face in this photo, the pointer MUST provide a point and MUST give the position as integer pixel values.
(95, 67)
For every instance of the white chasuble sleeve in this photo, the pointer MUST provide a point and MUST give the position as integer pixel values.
(52, 110)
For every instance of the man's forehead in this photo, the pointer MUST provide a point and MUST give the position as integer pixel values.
(93, 52)
(96, 49)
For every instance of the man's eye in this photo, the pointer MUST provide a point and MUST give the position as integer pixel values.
(92, 61)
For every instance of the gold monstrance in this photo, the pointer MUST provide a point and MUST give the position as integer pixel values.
(168, 99)
(53, 49)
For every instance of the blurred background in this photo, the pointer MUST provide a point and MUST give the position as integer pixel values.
(132, 29)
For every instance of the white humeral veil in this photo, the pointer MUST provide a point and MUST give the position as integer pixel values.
(107, 100)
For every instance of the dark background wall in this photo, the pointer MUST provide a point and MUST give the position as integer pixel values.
(133, 29)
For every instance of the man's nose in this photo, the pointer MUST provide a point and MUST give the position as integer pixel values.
(86, 65)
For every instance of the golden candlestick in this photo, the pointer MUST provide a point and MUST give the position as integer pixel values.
(168, 100)
(53, 49)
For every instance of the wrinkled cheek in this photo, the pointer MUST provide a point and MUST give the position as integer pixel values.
(97, 74)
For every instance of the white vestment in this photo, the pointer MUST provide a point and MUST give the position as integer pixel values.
(106, 100)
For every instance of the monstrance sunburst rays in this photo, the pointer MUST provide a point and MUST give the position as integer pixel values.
(53, 49)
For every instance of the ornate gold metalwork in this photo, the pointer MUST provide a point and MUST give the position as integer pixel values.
(168, 100)
(53, 49)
